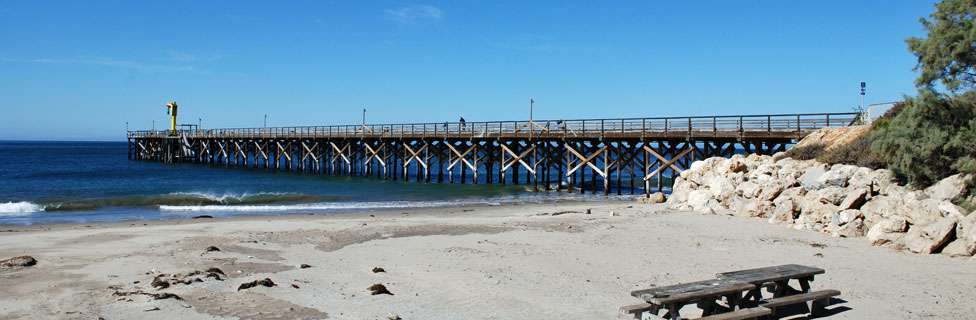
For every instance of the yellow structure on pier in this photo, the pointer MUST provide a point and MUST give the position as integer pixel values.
(171, 110)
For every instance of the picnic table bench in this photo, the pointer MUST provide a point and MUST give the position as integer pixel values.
(742, 293)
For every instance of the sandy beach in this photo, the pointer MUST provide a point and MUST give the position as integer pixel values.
(490, 262)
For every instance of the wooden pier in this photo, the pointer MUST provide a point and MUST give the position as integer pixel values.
(543, 153)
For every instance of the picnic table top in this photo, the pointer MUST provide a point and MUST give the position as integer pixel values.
(771, 274)
(691, 291)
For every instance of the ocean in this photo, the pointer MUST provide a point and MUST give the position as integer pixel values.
(83, 182)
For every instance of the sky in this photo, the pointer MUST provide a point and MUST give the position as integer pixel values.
(81, 70)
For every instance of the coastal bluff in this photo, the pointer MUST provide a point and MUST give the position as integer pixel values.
(840, 200)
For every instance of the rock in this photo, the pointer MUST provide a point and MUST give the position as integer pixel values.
(264, 282)
(854, 200)
(203, 217)
(771, 191)
(699, 198)
(811, 178)
(305, 266)
(753, 208)
(614, 213)
(948, 189)
(393, 316)
(879, 208)
(950, 210)
(748, 190)
(838, 175)
(888, 230)
(722, 188)
(657, 197)
(779, 156)
(17, 263)
(965, 243)
(920, 212)
(378, 288)
(211, 249)
(854, 228)
(966, 225)
(378, 270)
(960, 248)
(832, 195)
(932, 237)
(785, 210)
(588, 210)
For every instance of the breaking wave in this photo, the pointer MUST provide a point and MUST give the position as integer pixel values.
(21, 208)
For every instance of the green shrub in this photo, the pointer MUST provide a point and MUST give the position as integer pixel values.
(856, 152)
(806, 152)
(933, 137)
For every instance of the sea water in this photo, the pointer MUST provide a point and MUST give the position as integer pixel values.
(81, 182)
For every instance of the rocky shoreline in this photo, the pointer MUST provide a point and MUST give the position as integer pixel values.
(840, 200)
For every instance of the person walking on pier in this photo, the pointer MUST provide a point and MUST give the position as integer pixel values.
(464, 126)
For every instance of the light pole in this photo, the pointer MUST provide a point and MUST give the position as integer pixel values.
(200, 123)
(863, 108)
(265, 121)
(154, 125)
(531, 123)
(126, 126)
(364, 117)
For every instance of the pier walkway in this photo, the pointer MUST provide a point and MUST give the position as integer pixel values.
(644, 150)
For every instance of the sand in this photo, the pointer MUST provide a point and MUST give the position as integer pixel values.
(492, 262)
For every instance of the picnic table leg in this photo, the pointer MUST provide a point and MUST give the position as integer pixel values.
(782, 289)
(805, 284)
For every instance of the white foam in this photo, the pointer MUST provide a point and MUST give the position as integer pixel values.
(22, 208)
(324, 206)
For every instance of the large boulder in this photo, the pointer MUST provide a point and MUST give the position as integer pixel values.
(920, 212)
(888, 230)
(771, 190)
(812, 177)
(699, 198)
(948, 189)
(880, 207)
(785, 210)
(931, 237)
(722, 188)
(832, 195)
(854, 199)
(753, 207)
(965, 243)
(838, 175)
(748, 190)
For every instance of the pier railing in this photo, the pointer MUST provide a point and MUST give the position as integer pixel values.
(776, 125)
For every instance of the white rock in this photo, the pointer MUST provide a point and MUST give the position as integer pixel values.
(889, 230)
(932, 237)
(811, 178)
(948, 189)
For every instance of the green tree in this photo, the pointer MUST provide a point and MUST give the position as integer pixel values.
(947, 54)
(932, 138)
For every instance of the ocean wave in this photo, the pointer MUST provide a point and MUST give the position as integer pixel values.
(21, 208)
(186, 199)
(331, 206)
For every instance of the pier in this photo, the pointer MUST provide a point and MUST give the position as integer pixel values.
(546, 154)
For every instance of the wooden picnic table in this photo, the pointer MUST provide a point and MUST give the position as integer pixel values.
(706, 293)
(778, 277)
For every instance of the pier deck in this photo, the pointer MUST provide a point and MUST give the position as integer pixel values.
(641, 149)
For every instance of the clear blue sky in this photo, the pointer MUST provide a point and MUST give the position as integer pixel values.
(78, 70)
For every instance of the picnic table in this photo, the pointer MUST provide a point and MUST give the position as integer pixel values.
(776, 278)
(705, 293)
(740, 289)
